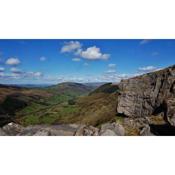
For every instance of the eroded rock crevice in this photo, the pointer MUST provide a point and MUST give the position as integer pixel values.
(145, 95)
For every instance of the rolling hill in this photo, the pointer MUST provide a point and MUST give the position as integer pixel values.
(18, 103)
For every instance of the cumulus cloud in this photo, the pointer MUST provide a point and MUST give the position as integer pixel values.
(43, 58)
(94, 53)
(145, 41)
(147, 69)
(71, 46)
(2, 69)
(90, 53)
(76, 59)
(13, 61)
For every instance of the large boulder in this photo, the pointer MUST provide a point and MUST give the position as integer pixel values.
(148, 95)
(112, 129)
(12, 129)
(49, 130)
(84, 130)
(2, 133)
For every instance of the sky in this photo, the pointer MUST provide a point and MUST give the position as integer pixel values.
(55, 61)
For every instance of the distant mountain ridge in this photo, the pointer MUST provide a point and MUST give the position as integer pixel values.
(70, 87)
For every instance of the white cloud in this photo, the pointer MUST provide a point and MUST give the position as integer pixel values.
(13, 61)
(43, 58)
(147, 69)
(111, 71)
(94, 53)
(15, 70)
(2, 69)
(112, 77)
(91, 53)
(34, 74)
(38, 74)
(18, 74)
(145, 41)
(76, 59)
(71, 46)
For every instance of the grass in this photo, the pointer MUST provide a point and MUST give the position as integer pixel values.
(50, 111)
(30, 120)
(50, 115)
(93, 109)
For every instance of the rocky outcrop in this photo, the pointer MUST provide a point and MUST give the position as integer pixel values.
(112, 129)
(108, 129)
(149, 94)
(13, 129)
(84, 130)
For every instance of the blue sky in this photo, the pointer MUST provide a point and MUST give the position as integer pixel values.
(54, 61)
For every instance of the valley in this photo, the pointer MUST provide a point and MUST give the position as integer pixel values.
(143, 105)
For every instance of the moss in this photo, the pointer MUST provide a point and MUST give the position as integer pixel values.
(119, 119)
(30, 120)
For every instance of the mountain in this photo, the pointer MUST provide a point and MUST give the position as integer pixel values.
(13, 99)
(94, 84)
(37, 105)
(70, 88)
(106, 88)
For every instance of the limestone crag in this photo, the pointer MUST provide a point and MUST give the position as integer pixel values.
(149, 94)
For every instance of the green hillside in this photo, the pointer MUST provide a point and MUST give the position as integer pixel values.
(62, 103)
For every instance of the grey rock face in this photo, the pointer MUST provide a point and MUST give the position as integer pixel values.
(52, 130)
(151, 93)
(2, 133)
(42, 132)
(171, 111)
(12, 129)
(146, 131)
(108, 132)
(110, 129)
(84, 130)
